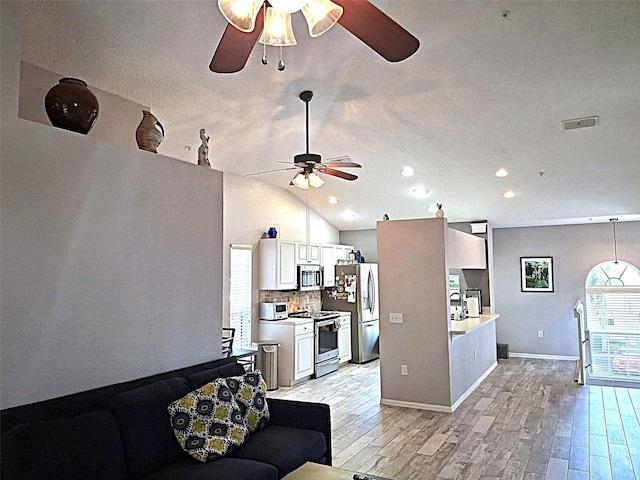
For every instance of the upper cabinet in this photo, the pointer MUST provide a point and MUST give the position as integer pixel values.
(307, 253)
(465, 250)
(329, 256)
(277, 264)
(279, 260)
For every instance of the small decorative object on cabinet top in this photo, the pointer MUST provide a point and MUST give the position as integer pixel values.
(203, 150)
(273, 233)
(385, 217)
(71, 105)
(439, 212)
(150, 132)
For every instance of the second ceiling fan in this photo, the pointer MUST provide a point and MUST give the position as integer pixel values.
(360, 17)
(310, 163)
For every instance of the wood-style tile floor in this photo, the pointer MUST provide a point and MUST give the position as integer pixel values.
(527, 420)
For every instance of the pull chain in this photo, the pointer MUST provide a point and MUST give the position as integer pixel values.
(281, 62)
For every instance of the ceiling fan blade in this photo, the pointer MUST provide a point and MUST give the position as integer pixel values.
(377, 30)
(270, 171)
(235, 48)
(342, 164)
(338, 173)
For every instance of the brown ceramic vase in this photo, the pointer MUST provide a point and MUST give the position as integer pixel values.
(149, 133)
(71, 105)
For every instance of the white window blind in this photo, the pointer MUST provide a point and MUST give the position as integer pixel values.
(240, 294)
(613, 321)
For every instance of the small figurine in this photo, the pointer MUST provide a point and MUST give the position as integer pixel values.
(203, 150)
(439, 212)
(385, 217)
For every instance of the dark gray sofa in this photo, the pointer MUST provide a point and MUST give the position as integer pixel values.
(122, 432)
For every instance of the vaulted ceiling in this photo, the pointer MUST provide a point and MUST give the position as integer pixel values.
(487, 89)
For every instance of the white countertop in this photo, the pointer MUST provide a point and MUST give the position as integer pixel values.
(287, 321)
(462, 327)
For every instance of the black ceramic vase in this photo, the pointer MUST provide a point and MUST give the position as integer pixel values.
(71, 105)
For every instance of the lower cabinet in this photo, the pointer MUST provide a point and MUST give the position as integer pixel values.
(344, 338)
(303, 357)
(296, 352)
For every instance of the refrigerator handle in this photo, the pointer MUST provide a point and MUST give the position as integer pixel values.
(372, 292)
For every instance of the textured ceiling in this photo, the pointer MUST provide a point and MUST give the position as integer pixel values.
(482, 92)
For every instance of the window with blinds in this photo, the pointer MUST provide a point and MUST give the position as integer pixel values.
(613, 321)
(240, 294)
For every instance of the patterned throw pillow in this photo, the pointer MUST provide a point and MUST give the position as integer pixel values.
(250, 391)
(208, 422)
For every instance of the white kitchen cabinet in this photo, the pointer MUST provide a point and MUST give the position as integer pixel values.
(307, 253)
(329, 256)
(277, 270)
(297, 348)
(304, 356)
(344, 338)
(465, 250)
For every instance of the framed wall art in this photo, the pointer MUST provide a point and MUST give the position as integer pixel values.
(536, 274)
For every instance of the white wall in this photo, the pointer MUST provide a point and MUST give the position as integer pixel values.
(364, 240)
(575, 249)
(111, 261)
(251, 207)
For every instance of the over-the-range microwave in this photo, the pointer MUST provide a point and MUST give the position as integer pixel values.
(309, 277)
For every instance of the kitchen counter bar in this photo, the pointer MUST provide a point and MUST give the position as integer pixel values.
(462, 327)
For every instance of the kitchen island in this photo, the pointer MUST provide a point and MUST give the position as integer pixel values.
(462, 327)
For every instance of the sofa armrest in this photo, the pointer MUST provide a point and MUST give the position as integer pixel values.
(297, 414)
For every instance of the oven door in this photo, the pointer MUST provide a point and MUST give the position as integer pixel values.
(327, 339)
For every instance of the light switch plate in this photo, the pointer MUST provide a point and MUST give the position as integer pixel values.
(395, 318)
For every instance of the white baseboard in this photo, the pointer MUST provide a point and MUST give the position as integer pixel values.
(420, 406)
(543, 357)
(440, 408)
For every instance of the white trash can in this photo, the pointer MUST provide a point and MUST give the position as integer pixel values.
(267, 362)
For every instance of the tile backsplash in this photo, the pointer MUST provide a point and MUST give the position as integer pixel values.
(296, 301)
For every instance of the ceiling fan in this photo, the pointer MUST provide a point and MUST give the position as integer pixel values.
(310, 163)
(360, 17)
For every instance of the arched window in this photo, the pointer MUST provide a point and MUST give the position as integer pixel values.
(613, 321)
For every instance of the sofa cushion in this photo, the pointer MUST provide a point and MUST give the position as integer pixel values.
(81, 447)
(285, 448)
(208, 422)
(222, 469)
(198, 379)
(250, 391)
(149, 442)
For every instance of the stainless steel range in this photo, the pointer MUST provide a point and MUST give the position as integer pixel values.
(326, 340)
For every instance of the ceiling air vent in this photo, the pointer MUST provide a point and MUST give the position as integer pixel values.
(580, 123)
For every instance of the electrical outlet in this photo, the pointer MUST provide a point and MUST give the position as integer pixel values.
(395, 318)
(404, 370)
(540, 334)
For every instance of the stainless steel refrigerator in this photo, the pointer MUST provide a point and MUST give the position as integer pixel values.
(356, 291)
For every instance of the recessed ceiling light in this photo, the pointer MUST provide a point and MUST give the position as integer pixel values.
(333, 200)
(348, 215)
(419, 192)
(501, 173)
(509, 194)
(407, 171)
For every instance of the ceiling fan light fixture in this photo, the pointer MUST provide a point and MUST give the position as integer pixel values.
(240, 13)
(315, 181)
(301, 180)
(321, 15)
(277, 30)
